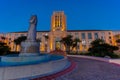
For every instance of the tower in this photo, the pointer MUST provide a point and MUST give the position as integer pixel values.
(58, 30)
(58, 21)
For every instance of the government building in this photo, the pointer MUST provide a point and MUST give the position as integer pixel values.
(50, 40)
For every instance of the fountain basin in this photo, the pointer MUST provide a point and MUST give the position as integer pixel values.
(24, 59)
(33, 70)
(29, 48)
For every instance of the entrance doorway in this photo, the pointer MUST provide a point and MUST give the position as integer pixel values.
(57, 45)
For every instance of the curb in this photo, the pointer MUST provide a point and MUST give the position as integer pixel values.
(53, 76)
(96, 58)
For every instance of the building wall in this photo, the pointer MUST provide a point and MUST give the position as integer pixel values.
(90, 36)
(58, 31)
(55, 36)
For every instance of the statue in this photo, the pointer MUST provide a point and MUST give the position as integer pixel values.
(30, 46)
(32, 29)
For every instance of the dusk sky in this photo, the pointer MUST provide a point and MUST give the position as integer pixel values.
(81, 14)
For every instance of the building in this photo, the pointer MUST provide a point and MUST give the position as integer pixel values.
(50, 40)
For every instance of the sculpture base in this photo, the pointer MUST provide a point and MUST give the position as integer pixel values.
(28, 54)
(29, 48)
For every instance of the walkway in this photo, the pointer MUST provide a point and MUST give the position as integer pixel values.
(88, 69)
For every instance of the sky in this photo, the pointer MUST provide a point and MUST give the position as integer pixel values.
(81, 14)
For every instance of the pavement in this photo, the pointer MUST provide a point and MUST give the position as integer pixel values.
(88, 69)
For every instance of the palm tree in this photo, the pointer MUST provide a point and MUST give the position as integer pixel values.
(97, 42)
(18, 40)
(76, 44)
(4, 48)
(67, 41)
(118, 40)
(3, 38)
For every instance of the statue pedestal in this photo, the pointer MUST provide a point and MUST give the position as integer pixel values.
(29, 48)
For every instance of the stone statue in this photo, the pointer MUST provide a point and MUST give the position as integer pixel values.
(30, 46)
(32, 29)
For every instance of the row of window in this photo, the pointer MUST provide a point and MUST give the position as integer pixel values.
(83, 35)
(96, 35)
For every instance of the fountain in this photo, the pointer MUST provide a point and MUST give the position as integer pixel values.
(30, 63)
(30, 46)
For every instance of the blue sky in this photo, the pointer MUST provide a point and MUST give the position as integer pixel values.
(81, 14)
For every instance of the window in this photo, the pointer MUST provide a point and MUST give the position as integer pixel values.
(83, 35)
(110, 41)
(109, 33)
(16, 34)
(61, 18)
(89, 36)
(56, 18)
(109, 37)
(102, 37)
(69, 33)
(96, 35)
(102, 33)
(22, 34)
(76, 34)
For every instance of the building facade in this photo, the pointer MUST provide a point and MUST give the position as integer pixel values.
(50, 40)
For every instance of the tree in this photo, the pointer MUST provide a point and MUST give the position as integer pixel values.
(68, 42)
(118, 40)
(38, 40)
(97, 42)
(4, 49)
(100, 48)
(117, 36)
(118, 43)
(18, 40)
(3, 38)
(75, 44)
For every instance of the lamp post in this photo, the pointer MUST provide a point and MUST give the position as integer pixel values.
(78, 47)
(46, 42)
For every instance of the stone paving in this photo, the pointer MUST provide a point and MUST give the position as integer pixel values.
(88, 69)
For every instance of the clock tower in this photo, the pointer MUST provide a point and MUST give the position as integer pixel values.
(58, 21)
(58, 30)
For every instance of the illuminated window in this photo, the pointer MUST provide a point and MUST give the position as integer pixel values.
(83, 42)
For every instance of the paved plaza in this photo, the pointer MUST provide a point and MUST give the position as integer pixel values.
(88, 69)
